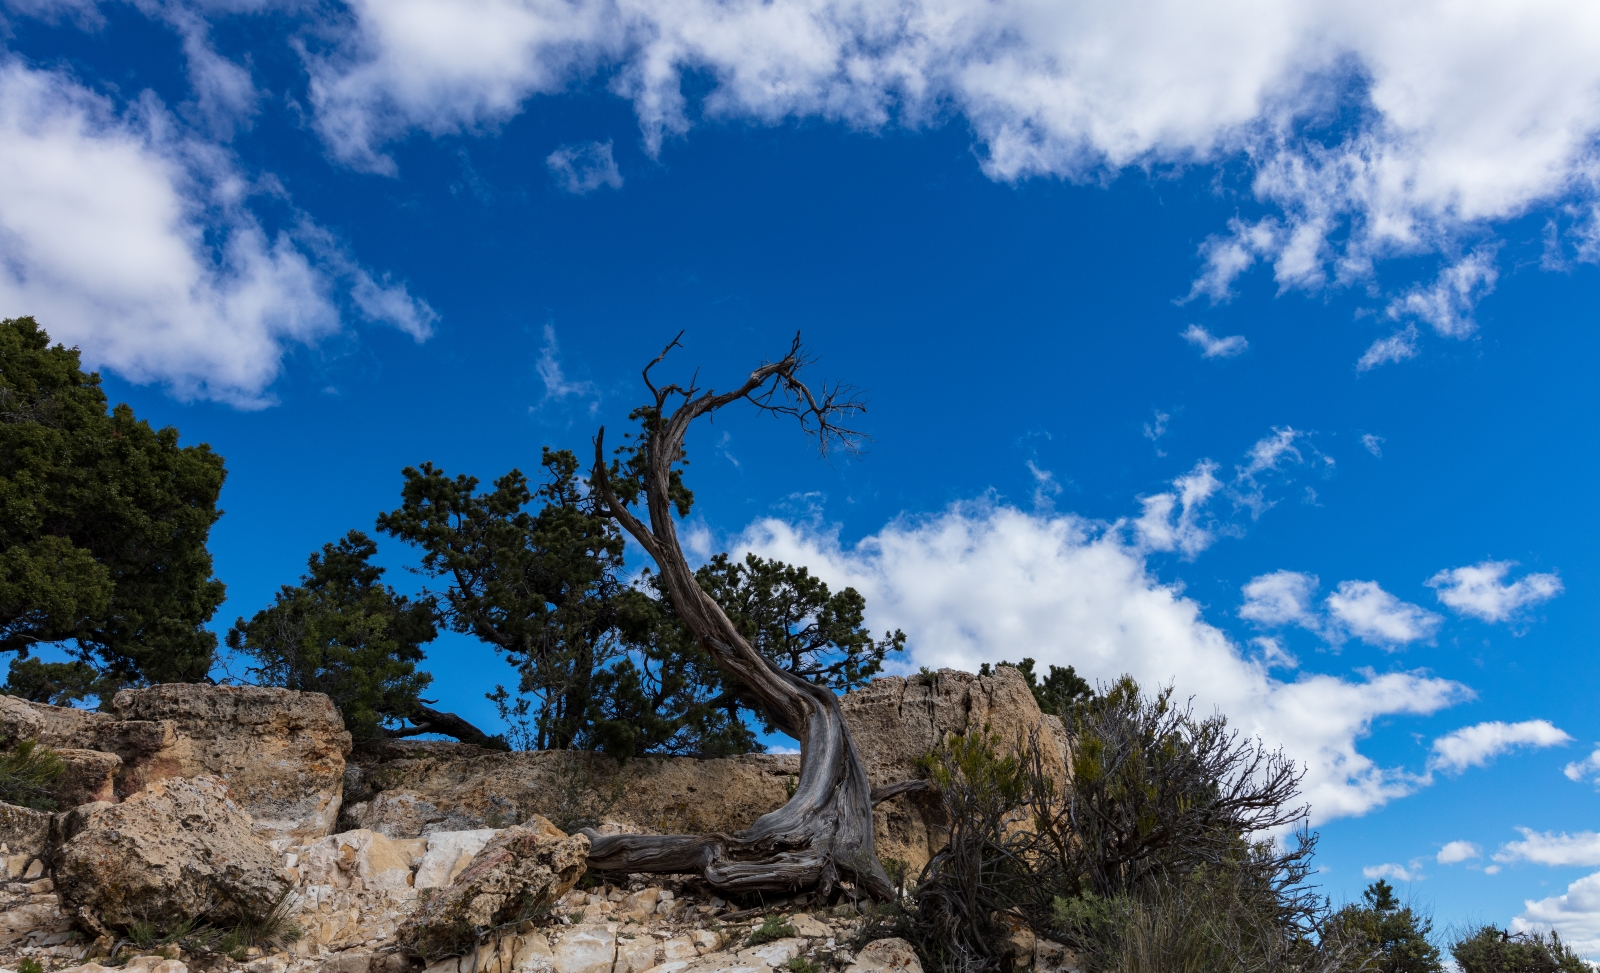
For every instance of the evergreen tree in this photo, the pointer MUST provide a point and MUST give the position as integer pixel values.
(1493, 950)
(103, 528)
(1060, 691)
(1396, 935)
(341, 631)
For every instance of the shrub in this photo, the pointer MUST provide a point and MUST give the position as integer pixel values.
(1395, 936)
(26, 772)
(771, 928)
(1493, 950)
(1153, 856)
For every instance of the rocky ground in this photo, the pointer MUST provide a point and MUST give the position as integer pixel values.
(191, 809)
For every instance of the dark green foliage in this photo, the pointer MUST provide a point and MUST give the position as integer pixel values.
(1493, 950)
(791, 617)
(604, 664)
(103, 524)
(341, 631)
(27, 772)
(29, 965)
(1061, 690)
(1159, 831)
(1396, 935)
(56, 683)
(772, 928)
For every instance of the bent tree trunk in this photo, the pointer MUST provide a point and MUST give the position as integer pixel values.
(823, 835)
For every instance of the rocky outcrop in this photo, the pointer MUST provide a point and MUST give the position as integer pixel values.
(406, 790)
(177, 851)
(896, 720)
(24, 838)
(280, 752)
(520, 873)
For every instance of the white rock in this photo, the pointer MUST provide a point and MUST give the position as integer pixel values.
(635, 955)
(809, 926)
(680, 947)
(705, 940)
(590, 948)
(670, 966)
(448, 855)
(773, 954)
(531, 953)
(886, 956)
(362, 860)
(267, 964)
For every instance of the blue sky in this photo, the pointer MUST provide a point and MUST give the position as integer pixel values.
(1246, 347)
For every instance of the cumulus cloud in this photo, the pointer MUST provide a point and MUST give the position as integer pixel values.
(1213, 347)
(980, 582)
(1462, 120)
(126, 237)
(1475, 746)
(581, 169)
(1575, 915)
(1549, 848)
(1587, 767)
(1172, 521)
(1409, 872)
(1365, 611)
(1280, 598)
(1476, 590)
(1458, 851)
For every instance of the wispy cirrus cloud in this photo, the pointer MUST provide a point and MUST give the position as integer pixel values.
(1212, 346)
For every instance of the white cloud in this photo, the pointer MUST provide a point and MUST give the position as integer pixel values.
(1549, 848)
(581, 169)
(1171, 521)
(1213, 347)
(973, 583)
(1477, 590)
(1365, 611)
(1385, 351)
(1458, 851)
(1575, 915)
(556, 384)
(1280, 598)
(127, 238)
(1045, 487)
(1410, 872)
(1468, 113)
(1447, 303)
(1587, 767)
(1268, 455)
(1374, 444)
(1475, 746)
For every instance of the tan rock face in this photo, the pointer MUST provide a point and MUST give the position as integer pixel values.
(895, 721)
(522, 870)
(178, 850)
(428, 787)
(281, 752)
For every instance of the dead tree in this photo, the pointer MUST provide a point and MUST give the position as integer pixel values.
(823, 836)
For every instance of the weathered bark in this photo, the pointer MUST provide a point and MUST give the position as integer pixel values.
(428, 720)
(823, 836)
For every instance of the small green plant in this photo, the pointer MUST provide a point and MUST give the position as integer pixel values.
(802, 965)
(27, 771)
(29, 965)
(143, 933)
(771, 928)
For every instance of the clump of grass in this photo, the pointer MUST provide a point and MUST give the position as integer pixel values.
(29, 965)
(771, 928)
(802, 965)
(27, 772)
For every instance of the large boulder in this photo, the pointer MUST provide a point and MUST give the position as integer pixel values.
(281, 752)
(520, 872)
(24, 839)
(895, 721)
(178, 850)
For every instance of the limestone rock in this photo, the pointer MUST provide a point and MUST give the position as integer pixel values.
(895, 721)
(25, 833)
(886, 956)
(91, 775)
(521, 870)
(448, 855)
(363, 860)
(145, 748)
(773, 954)
(809, 927)
(180, 849)
(280, 751)
(589, 948)
(432, 786)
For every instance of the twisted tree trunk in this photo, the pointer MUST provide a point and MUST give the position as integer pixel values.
(823, 835)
